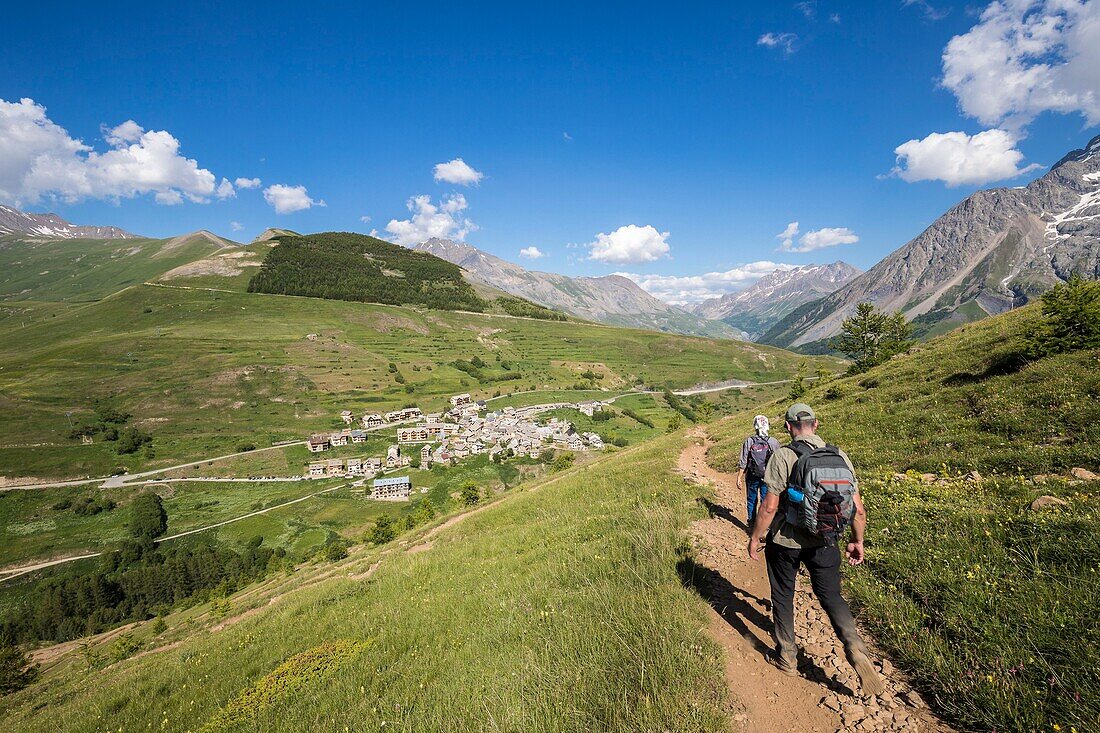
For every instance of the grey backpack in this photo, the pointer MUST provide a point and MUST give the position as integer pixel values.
(827, 488)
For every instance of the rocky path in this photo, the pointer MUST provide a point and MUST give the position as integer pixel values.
(825, 696)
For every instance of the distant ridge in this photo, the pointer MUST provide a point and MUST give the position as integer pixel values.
(610, 299)
(14, 221)
(759, 307)
(273, 233)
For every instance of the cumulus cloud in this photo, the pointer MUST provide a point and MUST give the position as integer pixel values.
(690, 289)
(365, 219)
(236, 226)
(458, 172)
(39, 159)
(786, 237)
(814, 239)
(531, 253)
(785, 42)
(1026, 57)
(288, 199)
(629, 244)
(958, 159)
(225, 190)
(445, 220)
(247, 182)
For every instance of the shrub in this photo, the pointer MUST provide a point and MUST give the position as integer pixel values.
(383, 531)
(246, 447)
(16, 670)
(563, 461)
(470, 494)
(334, 551)
(1071, 319)
(148, 518)
(132, 439)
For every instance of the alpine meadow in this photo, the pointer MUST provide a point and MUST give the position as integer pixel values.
(594, 368)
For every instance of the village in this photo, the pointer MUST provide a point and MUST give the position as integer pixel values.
(467, 429)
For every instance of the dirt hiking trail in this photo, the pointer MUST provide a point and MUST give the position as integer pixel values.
(825, 697)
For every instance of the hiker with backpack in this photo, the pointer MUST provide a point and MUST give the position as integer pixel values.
(813, 497)
(755, 452)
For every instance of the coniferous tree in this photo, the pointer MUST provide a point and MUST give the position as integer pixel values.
(871, 337)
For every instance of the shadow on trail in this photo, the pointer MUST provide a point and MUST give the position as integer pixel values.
(740, 608)
(717, 510)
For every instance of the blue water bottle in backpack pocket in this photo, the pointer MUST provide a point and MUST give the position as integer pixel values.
(795, 495)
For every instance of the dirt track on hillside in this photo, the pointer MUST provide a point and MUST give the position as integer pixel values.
(822, 697)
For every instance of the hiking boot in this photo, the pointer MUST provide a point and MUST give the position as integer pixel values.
(870, 682)
(785, 667)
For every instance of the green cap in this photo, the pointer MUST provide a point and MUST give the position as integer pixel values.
(800, 411)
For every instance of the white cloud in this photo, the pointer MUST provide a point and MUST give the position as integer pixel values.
(930, 11)
(629, 243)
(827, 237)
(531, 253)
(786, 237)
(39, 159)
(957, 158)
(247, 182)
(785, 42)
(834, 18)
(689, 289)
(444, 220)
(365, 219)
(567, 137)
(225, 190)
(814, 239)
(458, 172)
(808, 8)
(236, 226)
(288, 199)
(1026, 57)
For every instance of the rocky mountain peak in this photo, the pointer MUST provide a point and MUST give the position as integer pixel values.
(14, 221)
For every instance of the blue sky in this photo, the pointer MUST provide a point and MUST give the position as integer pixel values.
(718, 123)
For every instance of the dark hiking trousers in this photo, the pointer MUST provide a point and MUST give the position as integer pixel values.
(823, 563)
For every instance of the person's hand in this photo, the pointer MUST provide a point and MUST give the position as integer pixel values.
(755, 546)
(855, 553)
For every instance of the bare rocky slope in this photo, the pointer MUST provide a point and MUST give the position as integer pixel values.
(14, 221)
(996, 250)
(611, 299)
(758, 308)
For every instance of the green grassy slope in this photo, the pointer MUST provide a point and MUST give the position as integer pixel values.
(989, 605)
(557, 609)
(205, 370)
(79, 270)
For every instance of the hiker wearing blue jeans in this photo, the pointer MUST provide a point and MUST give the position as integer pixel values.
(755, 452)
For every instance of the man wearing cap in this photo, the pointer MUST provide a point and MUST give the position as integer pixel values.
(787, 546)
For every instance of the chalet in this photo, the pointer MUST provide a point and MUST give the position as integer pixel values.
(358, 436)
(575, 442)
(318, 443)
(346, 416)
(355, 466)
(594, 440)
(391, 489)
(315, 469)
(373, 420)
(590, 408)
(461, 399)
(338, 439)
(418, 434)
(411, 413)
(426, 457)
(394, 459)
(334, 467)
(372, 464)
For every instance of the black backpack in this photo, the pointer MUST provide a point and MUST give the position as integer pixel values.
(759, 453)
(828, 489)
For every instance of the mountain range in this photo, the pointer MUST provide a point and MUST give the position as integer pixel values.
(14, 221)
(611, 299)
(759, 307)
(996, 250)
